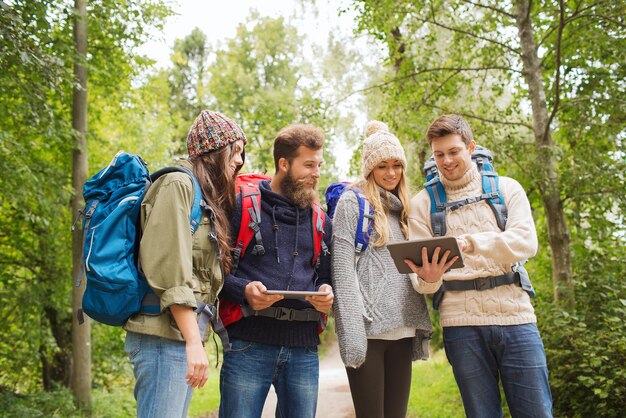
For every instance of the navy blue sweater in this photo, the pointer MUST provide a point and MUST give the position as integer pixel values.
(286, 265)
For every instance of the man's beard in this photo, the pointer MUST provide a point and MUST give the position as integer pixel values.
(298, 192)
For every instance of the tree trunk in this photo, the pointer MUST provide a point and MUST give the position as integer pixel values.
(398, 54)
(56, 369)
(558, 233)
(81, 347)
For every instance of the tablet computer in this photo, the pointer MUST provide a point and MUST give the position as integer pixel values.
(412, 250)
(295, 294)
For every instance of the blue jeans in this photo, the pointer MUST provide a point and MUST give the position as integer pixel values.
(481, 355)
(160, 366)
(250, 369)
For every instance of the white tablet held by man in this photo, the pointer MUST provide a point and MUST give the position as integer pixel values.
(295, 294)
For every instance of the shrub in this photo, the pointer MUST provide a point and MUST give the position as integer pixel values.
(586, 348)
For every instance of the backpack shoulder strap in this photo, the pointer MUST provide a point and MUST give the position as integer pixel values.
(250, 224)
(438, 200)
(491, 190)
(365, 223)
(198, 202)
(319, 245)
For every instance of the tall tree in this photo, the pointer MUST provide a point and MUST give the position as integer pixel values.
(258, 78)
(187, 80)
(81, 347)
(33, 176)
(37, 54)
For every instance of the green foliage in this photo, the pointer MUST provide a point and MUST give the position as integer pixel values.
(112, 369)
(57, 403)
(187, 80)
(587, 348)
(255, 79)
(464, 57)
(33, 205)
(36, 60)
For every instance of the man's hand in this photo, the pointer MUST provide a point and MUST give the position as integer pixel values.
(257, 299)
(432, 271)
(322, 303)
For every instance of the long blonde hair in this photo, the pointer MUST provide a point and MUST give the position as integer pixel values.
(381, 206)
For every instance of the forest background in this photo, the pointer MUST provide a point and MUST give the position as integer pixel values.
(541, 82)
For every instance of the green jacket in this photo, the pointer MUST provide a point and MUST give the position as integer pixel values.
(181, 269)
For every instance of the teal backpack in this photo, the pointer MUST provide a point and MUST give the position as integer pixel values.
(439, 206)
(116, 287)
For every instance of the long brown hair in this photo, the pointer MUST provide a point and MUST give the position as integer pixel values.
(218, 189)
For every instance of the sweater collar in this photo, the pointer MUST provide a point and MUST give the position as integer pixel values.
(393, 202)
(471, 178)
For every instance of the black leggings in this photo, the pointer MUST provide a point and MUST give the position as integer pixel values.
(380, 387)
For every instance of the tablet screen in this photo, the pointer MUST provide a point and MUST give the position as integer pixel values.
(412, 250)
(295, 294)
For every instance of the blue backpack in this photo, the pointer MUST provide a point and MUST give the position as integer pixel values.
(116, 288)
(490, 193)
(366, 213)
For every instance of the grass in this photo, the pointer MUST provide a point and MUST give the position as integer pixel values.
(434, 393)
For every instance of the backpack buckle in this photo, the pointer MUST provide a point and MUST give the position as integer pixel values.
(483, 283)
(285, 314)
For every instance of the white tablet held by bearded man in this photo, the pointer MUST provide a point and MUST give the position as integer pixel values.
(295, 294)
(412, 250)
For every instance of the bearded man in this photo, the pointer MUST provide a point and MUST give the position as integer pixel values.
(277, 345)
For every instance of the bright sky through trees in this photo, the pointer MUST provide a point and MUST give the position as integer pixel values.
(218, 20)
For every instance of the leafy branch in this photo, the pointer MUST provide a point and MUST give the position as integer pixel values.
(483, 119)
(468, 33)
(428, 70)
(493, 8)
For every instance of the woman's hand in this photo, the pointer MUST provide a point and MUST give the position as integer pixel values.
(432, 271)
(197, 364)
(197, 361)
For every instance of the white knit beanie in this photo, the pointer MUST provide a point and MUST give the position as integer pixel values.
(380, 145)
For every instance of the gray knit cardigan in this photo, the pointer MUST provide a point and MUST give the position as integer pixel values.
(371, 297)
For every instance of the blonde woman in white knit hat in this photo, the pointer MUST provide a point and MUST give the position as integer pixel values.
(382, 324)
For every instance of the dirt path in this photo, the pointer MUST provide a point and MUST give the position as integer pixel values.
(334, 399)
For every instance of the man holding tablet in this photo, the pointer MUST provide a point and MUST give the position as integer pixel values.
(489, 325)
(276, 343)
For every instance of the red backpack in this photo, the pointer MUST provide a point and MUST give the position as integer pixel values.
(249, 227)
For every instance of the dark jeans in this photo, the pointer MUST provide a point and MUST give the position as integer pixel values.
(380, 387)
(481, 355)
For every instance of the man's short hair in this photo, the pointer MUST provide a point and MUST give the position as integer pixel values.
(447, 125)
(291, 137)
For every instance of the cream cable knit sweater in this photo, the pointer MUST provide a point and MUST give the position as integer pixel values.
(372, 300)
(489, 252)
